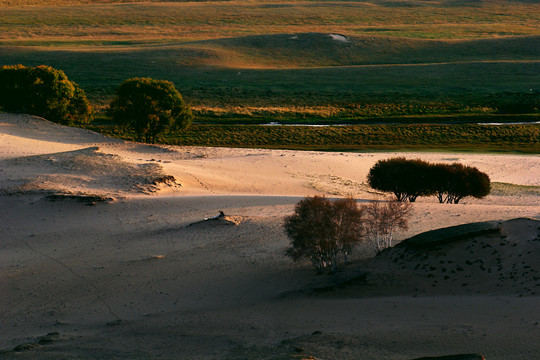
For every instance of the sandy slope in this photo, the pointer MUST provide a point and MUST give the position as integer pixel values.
(131, 279)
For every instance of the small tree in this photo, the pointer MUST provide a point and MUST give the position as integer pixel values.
(347, 219)
(406, 179)
(456, 181)
(43, 91)
(321, 230)
(383, 218)
(150, 107)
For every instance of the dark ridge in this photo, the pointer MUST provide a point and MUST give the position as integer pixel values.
(451, 234)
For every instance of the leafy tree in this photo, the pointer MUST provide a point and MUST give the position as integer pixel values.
(456, 181)
(150, 107)
(347, 219)
(321, 230)
(43, 91)
(407, 179)
(479, 183)
(383, 218)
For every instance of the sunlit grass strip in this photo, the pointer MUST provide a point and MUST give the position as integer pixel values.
(105, 19)
(507, 189)
(476, 138)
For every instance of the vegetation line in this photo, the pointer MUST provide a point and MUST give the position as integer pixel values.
(523, 139)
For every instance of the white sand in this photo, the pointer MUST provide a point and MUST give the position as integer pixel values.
(130, 279)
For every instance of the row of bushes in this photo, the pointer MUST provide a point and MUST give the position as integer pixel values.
(409, 179)
(43, 91)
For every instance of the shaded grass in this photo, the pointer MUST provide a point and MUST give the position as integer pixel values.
(319, 49)
(338, 92)
(467, 137)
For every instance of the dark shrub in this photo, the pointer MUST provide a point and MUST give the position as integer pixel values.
(517, 103)
(150, 107)
(406, 179)
(456, 181)
(43, 91)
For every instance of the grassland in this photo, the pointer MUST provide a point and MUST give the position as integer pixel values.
(189, 21)
(506, 189)
(256, 62)
(464, 137)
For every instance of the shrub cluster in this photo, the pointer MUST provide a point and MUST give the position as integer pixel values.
(408, 179)
(43, 91)
(150, 107)
(147, 106)
(323, 230)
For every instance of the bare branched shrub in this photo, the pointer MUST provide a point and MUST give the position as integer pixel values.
(382, 219)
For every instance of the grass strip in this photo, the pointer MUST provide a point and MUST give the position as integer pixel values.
(464, 137)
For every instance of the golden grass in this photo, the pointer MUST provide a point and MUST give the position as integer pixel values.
(506, 189)
(155, 21)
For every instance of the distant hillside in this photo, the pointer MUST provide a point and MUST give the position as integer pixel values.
(388, 3)
(319, 49)
(79, 2)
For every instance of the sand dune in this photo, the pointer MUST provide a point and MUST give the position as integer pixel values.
(132, 279)
(489, 258)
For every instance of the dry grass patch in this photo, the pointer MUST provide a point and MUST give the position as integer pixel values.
(82, 20)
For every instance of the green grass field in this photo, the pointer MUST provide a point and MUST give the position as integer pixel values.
(523, 139)
(256, 62)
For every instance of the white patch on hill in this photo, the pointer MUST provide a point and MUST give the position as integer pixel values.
(339, 37)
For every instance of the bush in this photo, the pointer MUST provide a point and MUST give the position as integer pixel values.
(455, 181)
(383, 218)
(321, 230)
(517, 103)
(150, 107)
(408, 179)
(43, 91)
